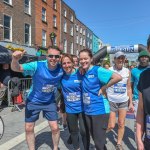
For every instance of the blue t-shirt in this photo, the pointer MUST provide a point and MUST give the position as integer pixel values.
(71, 88)
(135, 75)
(44, 81)
(92, 81)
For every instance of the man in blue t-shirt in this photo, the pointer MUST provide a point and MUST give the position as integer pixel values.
(45, 78)
(143, 59)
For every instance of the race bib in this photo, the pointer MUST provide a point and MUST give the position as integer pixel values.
(72, 97)
(120, 88)
(148, 126)
(86, 98)
(48, 88)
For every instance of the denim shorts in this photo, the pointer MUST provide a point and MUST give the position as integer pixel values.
(32, 111)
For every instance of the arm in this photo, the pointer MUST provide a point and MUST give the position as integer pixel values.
(140, 123)
(129, 93)
(114, 79)
(16, 56)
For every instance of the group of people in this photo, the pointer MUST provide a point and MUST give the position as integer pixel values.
(92, 96)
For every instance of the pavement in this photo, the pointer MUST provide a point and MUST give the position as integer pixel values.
(14, 136)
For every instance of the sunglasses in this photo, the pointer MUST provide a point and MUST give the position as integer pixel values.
(53, 56)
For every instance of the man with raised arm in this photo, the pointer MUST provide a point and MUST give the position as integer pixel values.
(45, 78)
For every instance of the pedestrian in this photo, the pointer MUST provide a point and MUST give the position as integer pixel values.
(120, 97)
(71, 87)
(106, 66)
(143, 112)
(96, 107)
(75, 61)
(45, 78)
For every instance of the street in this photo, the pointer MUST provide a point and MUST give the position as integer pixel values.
(14, 136)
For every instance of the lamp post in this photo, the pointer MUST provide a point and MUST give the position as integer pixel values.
(52, 37)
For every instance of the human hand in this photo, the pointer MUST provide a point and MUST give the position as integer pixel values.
(17, 55)
(140, 145)
(131, 107)
(103, 91)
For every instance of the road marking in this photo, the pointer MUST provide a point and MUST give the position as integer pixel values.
(20, 138)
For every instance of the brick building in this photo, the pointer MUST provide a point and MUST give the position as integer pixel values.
(80, 36)
(16, 21)
(67, 28)
(47, 20)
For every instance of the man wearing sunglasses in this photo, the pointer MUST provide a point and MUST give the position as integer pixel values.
(45, 79)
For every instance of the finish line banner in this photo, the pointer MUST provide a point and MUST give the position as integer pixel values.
(123, 48)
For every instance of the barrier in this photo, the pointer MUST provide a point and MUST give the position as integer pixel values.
(25, 84)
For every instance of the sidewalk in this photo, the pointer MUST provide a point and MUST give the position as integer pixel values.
(14, 136)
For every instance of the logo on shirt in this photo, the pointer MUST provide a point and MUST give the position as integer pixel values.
(91, 76)
(77, 81)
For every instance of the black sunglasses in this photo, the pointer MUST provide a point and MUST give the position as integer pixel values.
(52, 56)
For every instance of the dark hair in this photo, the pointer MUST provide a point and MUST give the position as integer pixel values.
(87, 51)
(67, 55)
(54, 47)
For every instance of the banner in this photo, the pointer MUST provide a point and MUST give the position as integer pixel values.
(123, 48)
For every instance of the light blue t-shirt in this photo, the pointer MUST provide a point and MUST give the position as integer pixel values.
(92, 82)
(135, 75)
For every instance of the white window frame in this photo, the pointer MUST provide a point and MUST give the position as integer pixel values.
(54, 4)
(44, 38)
(8, 28)
(55, 21)
(71, 18)
(77, 27)
(9, 2)
(77, 39)
(27, 8)
(29, 34)
(80, 40)
(65, 13)
(71, 48)
(81, 30)
(71, 30)
(65, 46)
(83, 42)
(43, 14)
(65, 26)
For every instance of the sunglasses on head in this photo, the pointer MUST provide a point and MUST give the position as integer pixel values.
(53, 56)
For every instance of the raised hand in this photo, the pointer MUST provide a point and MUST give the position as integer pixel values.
(17, 55)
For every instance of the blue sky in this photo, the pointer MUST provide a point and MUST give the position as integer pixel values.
(117, 22)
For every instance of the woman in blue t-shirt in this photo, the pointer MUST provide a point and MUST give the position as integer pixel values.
(71, 88)
(96, 106)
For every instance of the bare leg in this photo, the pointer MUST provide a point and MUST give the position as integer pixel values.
(30, 136)
(112, 121)
(121, 124)
(55, 133)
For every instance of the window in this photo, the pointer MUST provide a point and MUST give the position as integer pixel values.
(80, 30)
(71, 48)
(91, 36)
(77, 39)
(71, 17)
(8, 1)
(80, 40)
(88, 35)
(71, 30)
(65, 45)
(54, 4)
(54, 21)
(77, 52)
(83, 42)
(84, 32)
(43, 38)
(65, 26)
(65, 13)
(77, 28)
(27, 6)
(43, 14)
(27, 34)
(7, 27)
(90, 45)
